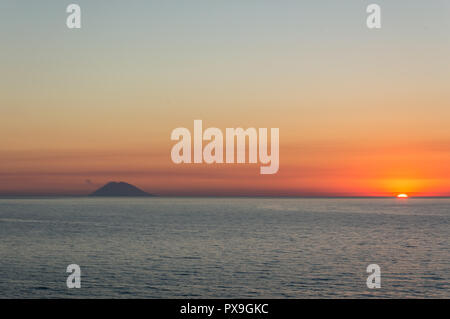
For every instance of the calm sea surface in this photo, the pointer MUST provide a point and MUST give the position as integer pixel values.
(224, 247)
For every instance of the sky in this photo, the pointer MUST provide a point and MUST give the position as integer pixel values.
(361, 112)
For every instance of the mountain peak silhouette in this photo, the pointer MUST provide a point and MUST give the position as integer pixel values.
(119, 189)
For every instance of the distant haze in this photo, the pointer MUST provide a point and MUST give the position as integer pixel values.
(361, 112)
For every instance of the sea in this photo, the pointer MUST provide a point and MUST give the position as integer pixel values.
(166, 247)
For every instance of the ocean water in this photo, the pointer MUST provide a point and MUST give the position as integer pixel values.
(224, 247)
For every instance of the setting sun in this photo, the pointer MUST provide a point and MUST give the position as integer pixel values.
(402, 196)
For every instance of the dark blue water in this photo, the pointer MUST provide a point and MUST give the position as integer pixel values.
(228, 247)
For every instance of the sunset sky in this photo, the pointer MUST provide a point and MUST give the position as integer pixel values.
(361, 112)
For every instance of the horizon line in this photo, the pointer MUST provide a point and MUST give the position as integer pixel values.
(5, 196)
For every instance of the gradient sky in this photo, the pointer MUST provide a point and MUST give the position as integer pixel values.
(361, 112)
